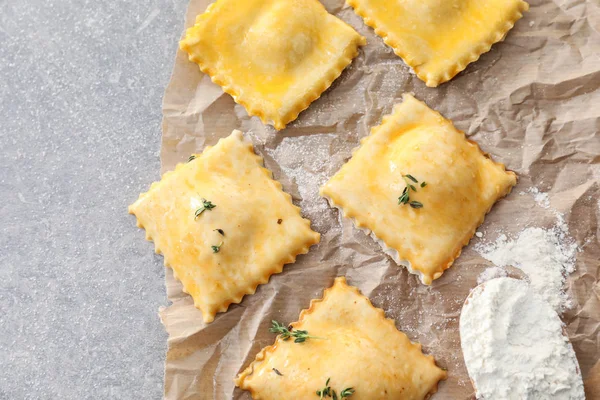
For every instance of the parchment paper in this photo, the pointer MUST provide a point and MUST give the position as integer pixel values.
(533, 102)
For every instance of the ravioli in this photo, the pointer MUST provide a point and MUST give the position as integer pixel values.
(274, 57)
(439, 38)
(223, 224)
(357, 348)
(422, 222)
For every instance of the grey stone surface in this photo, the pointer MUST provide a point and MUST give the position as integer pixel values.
(81, 84)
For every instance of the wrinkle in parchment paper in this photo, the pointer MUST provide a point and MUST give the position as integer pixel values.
(532, 102)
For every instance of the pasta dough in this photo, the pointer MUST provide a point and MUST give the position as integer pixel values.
(223, 224)
(461, 186)
(274, 57)
(439, 38)
(358, 348)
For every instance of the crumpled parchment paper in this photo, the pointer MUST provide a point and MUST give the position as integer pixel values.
(532, 102)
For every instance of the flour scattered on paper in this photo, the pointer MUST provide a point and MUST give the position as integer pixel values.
(541, 198)
(546, 256)
(302, 160)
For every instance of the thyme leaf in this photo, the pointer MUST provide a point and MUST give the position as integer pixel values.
(217, 248)
(277, 372)
(416, 204)
(327, 391)
(412, 178)
(221, 232)
(192, 158)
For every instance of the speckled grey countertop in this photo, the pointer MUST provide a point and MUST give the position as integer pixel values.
(81, 84)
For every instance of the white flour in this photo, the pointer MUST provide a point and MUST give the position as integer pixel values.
(514, 346)
(547, 256)
(301, 160)
(542, 199)
(491, 273)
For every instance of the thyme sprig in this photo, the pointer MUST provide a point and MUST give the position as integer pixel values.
(327, 391)
(192, 158)
(289, 332)
(217, 248)
(405, 196)
(206, 205)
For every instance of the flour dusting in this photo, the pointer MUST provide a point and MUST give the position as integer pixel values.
(547, 256)
(302, 160)
(491, 273)
(541, 198)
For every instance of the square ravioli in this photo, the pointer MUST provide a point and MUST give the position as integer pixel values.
(419, 187)
(274, 57)
(355, 348)
(439, 38)
(223, 224)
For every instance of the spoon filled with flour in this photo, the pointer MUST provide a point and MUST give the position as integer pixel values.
(514, 345)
